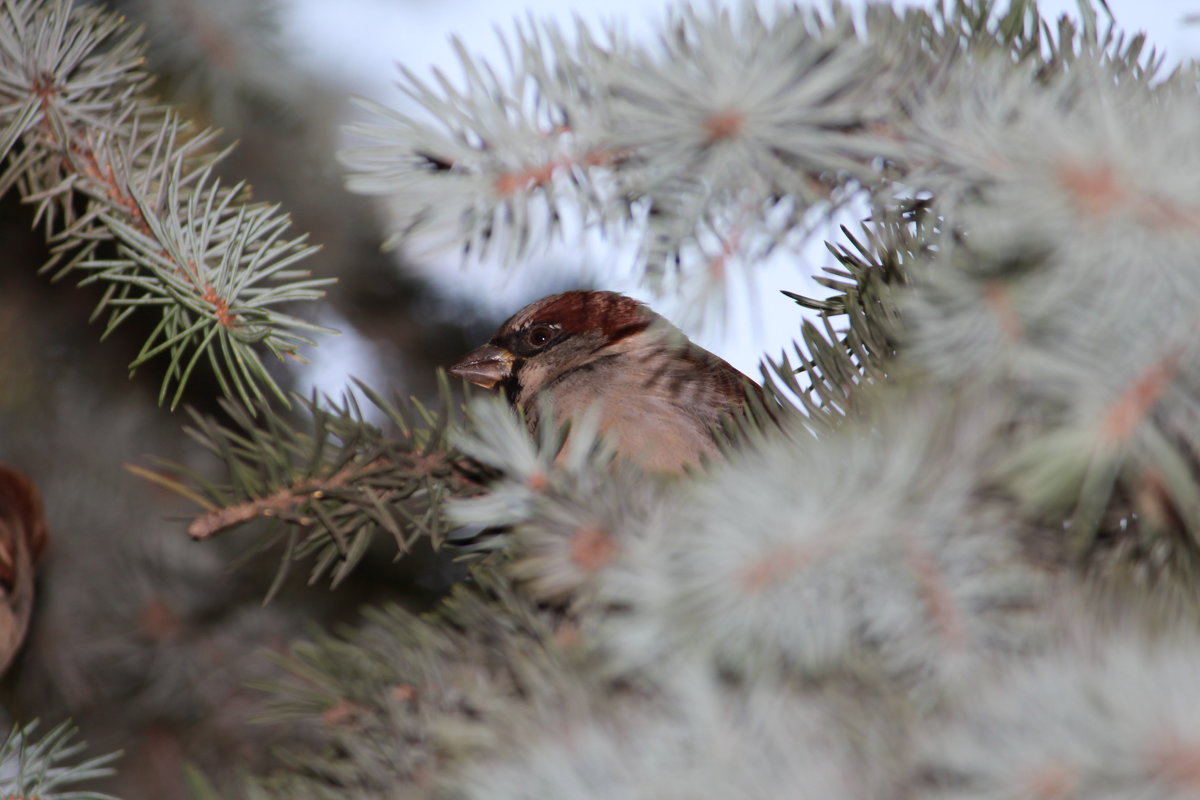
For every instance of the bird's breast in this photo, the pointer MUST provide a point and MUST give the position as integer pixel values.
(647, 428)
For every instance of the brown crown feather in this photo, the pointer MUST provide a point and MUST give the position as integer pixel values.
(615, 314)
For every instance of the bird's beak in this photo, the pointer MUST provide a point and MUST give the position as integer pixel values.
(484, 367)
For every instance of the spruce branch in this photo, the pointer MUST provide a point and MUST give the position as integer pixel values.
(1061, 276)
(47, 766)
(489, 168)
(838, 361)
(703, 741)
(716, 144)
(404, 700)
(570, 507)
(107, 168)
(923, 581)
(738, 126)
(330, 483)
(622, 133)
(1111, 716)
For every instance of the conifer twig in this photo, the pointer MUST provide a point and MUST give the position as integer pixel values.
(46, 766)
(332, 482)
(125, 192)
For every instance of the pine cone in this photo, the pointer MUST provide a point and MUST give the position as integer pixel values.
(22, 540)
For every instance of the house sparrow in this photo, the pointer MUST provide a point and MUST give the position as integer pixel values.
(658, 394)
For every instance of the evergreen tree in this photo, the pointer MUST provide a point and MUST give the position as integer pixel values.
(955, 555)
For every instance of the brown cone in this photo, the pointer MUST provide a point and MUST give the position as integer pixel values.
(22, 540)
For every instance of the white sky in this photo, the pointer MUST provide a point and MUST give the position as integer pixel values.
(357, 44)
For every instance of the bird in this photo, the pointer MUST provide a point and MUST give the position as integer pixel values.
(658, 395)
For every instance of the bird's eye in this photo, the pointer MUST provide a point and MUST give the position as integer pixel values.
(539, 335)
